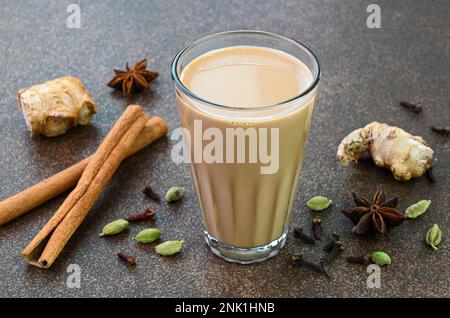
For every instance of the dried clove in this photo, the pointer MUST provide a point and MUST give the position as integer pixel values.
(148, 191)
(364, 260)
(131, 260)
(329, 246)
(331, 243)
(333, 249)
(324, 264)
(335, 236)
(317, 228)
(430, 176)
(140, 216)
(412, 107)
(334, 252)
(443, 131)
(299, 260)
(298, 233)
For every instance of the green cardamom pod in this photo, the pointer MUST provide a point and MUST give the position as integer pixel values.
(147, 236)
(169, 247)
(174, 194)
(318, 203)
(114, 227)
(417, 209)
(434, 236)
(381, 258)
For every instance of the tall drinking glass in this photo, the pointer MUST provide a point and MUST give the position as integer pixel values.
(245, 100)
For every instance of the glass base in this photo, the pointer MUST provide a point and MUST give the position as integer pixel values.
(249, 255)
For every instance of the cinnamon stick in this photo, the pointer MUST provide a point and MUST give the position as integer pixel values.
(59, 183)
(50, 241)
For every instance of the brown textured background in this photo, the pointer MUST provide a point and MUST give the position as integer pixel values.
(365, 73)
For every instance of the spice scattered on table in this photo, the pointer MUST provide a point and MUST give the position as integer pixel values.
(300, 234)
(148, 191)
(407, 156)
(114, 227)
(332, 241)
(443, 131)
(317, 228)
(376, 217)
(55, 106)
(434, 236)
(364, 260)
(417, 209)
(380, 258)
(300, 260)
(169, 247)
(430, 176)
(412, 107)
(66, 179)
(318, 203)
(48, 244)
(174, 194)
(147, 236)
(130, 260)
(141, 216)
(133, 79)
(333, 252)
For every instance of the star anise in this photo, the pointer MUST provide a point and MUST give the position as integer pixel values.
(133, 79)
(379, 216)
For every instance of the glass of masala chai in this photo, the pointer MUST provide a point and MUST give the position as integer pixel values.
(245, 100)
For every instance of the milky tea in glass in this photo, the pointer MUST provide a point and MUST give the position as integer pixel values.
(245, 101)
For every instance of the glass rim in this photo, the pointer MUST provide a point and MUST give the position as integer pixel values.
(188, 92)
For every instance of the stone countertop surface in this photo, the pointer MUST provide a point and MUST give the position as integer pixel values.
(365, 73)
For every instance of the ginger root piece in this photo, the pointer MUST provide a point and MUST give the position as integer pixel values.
(407, 156)
(53, 107)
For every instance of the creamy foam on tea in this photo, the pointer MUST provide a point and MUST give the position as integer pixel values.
(246, 76)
